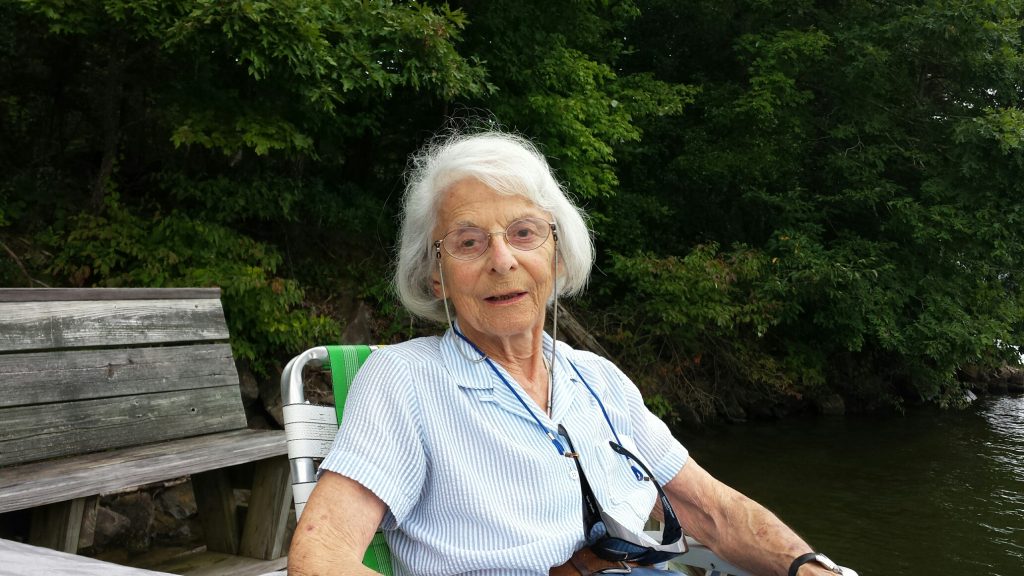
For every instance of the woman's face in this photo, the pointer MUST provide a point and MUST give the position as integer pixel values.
(502, 293)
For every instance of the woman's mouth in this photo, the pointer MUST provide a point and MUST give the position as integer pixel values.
(505, 297)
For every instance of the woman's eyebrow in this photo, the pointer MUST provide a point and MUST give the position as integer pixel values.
(517, 216)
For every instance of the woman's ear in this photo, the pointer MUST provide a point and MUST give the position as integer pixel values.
(435, 284)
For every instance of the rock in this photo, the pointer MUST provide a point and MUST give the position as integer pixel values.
(831, 405)
(139, 509)
(688, 416)
(270, 396)
(1005, 373)
(247, 383)
(110, 526)
(167, 529)
(256, 417)
(973, 374)
(1015, 379)
(358, 330)
(178, 501)
(732, 410)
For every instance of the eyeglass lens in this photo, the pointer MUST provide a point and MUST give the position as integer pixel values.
(470, 242)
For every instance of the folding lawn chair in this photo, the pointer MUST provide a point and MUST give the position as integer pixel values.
(310, 429)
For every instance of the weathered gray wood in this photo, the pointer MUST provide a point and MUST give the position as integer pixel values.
(56, 294)
(37, 432)
(42, 377)
(41, 483)
(215, 500)
(17, 559)
(127, 387)
(87, 536)
(58, 526)
(578, 334)
(267, 519)
(69, 324)
(219, 564)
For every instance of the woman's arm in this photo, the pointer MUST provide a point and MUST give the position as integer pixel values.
(336, 527)
(734, 526)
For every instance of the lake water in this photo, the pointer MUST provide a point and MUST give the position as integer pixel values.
(931, 492)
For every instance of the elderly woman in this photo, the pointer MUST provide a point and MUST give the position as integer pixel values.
(496, 449)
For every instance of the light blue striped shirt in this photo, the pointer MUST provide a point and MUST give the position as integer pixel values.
(472, 483)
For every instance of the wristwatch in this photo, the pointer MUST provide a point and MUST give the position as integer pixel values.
(822, 560)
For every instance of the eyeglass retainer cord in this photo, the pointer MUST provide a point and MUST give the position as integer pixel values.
(554, 321)
(551, 366)
(551, 436)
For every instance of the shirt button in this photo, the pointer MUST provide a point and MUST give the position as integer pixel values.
(574, 474)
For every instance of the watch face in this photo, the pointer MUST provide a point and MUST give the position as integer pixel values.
(824, 561)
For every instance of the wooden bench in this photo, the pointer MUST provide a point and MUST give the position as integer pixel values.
(107, 389)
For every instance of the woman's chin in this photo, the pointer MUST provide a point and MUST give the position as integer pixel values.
(508, 322)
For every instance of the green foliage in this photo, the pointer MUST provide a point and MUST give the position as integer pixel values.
(871, 155)
(308, 60)
(554, 68)
(790, 199)
(124, 249)
(199, 142)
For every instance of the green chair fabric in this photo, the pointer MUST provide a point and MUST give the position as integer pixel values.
(344, 362)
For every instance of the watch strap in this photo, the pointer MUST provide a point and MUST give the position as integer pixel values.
(800, 561)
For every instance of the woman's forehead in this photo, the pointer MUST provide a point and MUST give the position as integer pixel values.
(471, 203)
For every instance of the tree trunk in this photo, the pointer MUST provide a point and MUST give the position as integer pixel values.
(577, 334)
(109, 107)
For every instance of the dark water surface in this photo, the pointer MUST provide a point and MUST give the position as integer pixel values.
(931, 492)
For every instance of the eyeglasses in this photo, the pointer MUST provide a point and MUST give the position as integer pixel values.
(609, 539)
(470, 242)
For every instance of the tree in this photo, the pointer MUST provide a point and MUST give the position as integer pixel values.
(849, 175)
(189, 142)
(791, 199)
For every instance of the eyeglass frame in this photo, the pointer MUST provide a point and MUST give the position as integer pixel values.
(552, 227)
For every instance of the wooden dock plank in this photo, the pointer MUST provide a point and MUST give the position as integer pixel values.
(17, 559)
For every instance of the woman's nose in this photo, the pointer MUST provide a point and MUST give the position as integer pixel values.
(502, 257)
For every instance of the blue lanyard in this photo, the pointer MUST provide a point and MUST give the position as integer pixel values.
(551, 435)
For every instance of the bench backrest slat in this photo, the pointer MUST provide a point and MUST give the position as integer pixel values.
(62, 429)
(70, 375)
(63, 324)
(85, 370)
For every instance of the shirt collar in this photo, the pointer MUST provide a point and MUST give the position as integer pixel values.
(478, 375)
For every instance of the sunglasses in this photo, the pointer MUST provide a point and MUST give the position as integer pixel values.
(612, 541)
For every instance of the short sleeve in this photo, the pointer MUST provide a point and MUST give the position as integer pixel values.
(379, 443)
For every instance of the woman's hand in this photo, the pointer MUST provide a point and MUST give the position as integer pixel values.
(335, 529)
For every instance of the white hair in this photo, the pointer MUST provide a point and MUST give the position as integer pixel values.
(508, 164)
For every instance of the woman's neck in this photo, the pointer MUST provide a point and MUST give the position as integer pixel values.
(521, 355)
